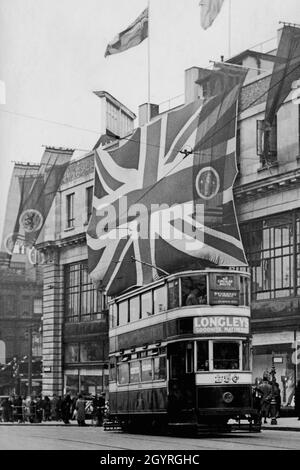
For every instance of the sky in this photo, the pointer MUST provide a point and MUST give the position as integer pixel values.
(52, 59)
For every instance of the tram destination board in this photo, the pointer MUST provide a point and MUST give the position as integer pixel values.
(224, 290)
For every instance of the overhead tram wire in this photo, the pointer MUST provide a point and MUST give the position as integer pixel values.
(187, 153)
(159, 146)
(221, 128)
(148, 144)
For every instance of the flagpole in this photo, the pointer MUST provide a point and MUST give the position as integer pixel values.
(149, 64)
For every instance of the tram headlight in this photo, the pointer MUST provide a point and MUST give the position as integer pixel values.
(228, 397)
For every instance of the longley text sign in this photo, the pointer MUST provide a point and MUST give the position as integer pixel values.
(221, 324)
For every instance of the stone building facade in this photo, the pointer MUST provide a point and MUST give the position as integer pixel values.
(267, 202)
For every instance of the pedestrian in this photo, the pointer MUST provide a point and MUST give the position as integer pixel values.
(18, 409)
(98, 408)
(66, 408)
(297, 400)
(39, 409)
(277, 396)
(32, 409)
(58, 409)
(53, 405)
(47, 408)
(6, 406)
(80, 409)
(266, 391)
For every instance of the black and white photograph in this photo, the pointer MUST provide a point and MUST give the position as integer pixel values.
(149, 230)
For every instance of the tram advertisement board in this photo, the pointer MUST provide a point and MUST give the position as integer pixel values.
(224, 290)
(221, 324)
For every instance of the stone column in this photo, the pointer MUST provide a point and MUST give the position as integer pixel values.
(52, 323)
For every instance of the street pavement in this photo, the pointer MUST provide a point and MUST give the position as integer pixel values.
(72, 437)
(283, 424)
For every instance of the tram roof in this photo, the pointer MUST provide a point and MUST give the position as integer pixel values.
(139, 289)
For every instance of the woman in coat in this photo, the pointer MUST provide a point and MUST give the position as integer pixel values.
(80, 408)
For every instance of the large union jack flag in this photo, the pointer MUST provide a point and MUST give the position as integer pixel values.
(163, 199)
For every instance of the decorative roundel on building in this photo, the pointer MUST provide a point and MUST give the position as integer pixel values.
(31, 220)
(11, 240)
(228, 397)
(207, 183)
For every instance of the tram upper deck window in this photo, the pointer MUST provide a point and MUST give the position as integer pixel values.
(123, 313)
(194, 290)
(226, 355)
(244, 291)
(173, 294)
(202, 356)
(160, 299)
(113, 315)
(134, 308)
(146, 304)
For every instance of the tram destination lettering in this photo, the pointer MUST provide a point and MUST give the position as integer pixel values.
(219, 297)
(221, 324)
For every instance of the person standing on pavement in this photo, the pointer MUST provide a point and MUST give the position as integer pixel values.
(266, 390)
(47, 408)
(80, 408)
(19, 409)
(297, 400)
(66, 408)
(53, 407)
(58, 409)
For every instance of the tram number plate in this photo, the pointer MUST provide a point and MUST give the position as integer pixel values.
(226, 379)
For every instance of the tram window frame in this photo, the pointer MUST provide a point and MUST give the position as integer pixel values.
(126, 314)
(173, 294)
(121, 366)
(147, 313)
(165, 299)
(224, 342)
(113, 369)
(189, 358)
(160, 372)
(246, 359)
(195, 282)
(150, 360)
(138, 316)
(206, 367)
(245, 291)
(137, 364)
(113, 314)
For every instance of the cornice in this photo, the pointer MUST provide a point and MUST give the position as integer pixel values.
(270, 185)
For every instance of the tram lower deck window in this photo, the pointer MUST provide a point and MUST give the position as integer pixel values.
(226, 355)
(202, 356)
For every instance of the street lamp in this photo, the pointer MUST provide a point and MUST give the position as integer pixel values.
(273, 405)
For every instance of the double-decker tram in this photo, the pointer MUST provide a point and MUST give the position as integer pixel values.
(180, 353)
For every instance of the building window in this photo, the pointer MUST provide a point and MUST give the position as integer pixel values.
(70, 210)
(72, 353)
(266, 140)
(91, 352)
(82, 301)
(38, 306)
(89, 202)
(270, 246)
